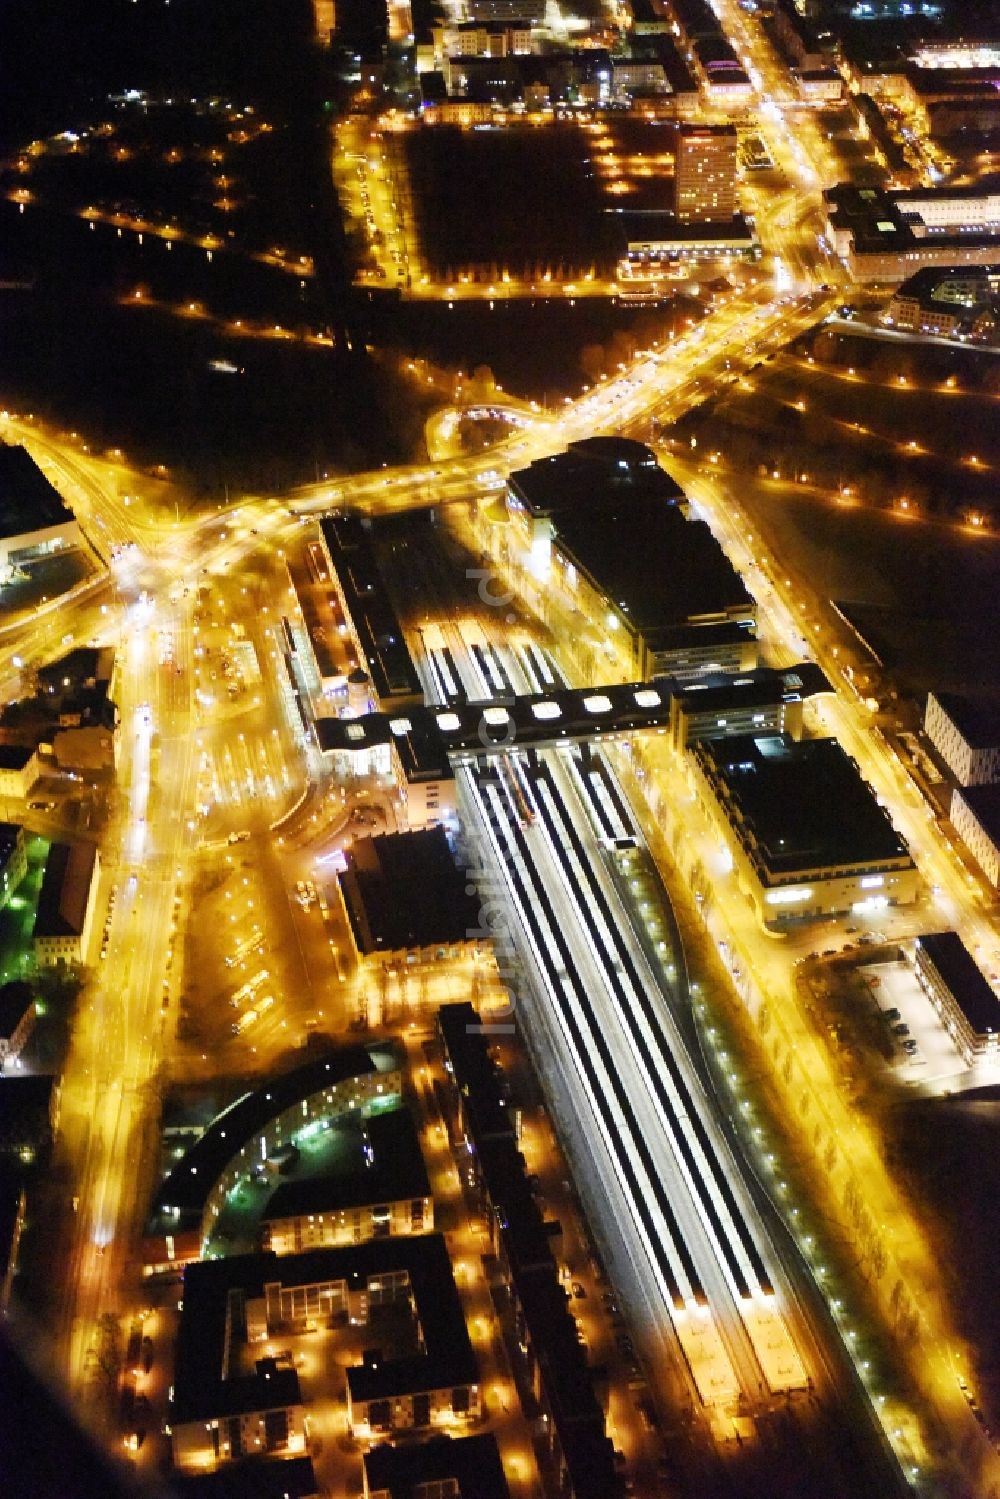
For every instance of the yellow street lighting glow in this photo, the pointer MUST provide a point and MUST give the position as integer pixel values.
(788, 897)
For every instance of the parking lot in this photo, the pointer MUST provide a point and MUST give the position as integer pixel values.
(933, 1060)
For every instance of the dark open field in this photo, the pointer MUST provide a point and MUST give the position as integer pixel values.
(897, 426)
(527, 195)
(925, 594)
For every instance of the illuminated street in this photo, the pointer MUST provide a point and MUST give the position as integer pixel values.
(449, 329)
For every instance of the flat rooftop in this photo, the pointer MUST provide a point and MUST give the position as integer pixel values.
(62, 900)
(603, 494)
(539, 717)
(476, 1074)
(720, 691)
(588, 473)
(78, 668)
(695, 17)
(659, 568)
(802, 805)
(188, 1184)
(882, 220)
(976, 719)
(348, 542)
(254, 1478)
(25, 1101)
(473, 1463)
(216, 1290)
(927, 284)
(15, 756)
(28, 502)
(964, 980)
(389, 1168)
(404, 890)
(639, 225)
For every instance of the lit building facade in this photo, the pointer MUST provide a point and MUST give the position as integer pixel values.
(705, 173)
(808, 839)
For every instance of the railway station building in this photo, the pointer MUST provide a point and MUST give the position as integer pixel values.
(602, 534)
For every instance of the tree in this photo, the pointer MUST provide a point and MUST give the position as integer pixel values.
(593, 361)
(482, 386)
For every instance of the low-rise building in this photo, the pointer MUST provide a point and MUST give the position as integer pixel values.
(697, 650)
(34, 522)
(17, 1019)
(807, 837)
(766, 700)
(463, 112)
(406, 899)
(232, 1399)
(718, 70)
(654, 237)
(966, 734)
(693, 20)
(238, 1143)
(13, 859)
(975, 816)
(886, 234)
(804, 45)
(507, 12)
(443, 1468)
(71, 715)
(369, 613)
(820, 85)
(961, 994)
(19, 770)
(473, 39)
(944, 97)
(388, 1194)
(948, 303)
(64, 919)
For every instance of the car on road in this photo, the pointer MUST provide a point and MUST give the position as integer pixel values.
(579, 1291)
(40, 806)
